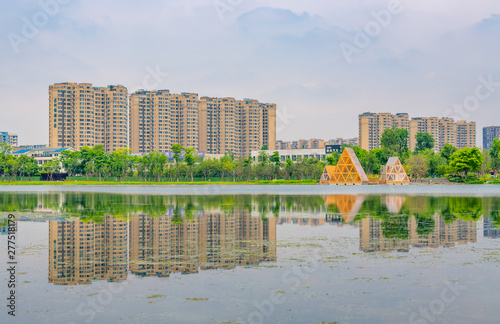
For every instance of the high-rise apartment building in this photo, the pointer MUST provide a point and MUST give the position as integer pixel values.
(151, 121)
(240, 126)
(9, 138)
(490, 133)
(159, 119)
(82, 115)
(372, 125)
(444, 130)
(219, 125)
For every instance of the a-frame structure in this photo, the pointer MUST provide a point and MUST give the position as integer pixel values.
(393, 173)
(348, 205)
(348, 170)
(327, 174)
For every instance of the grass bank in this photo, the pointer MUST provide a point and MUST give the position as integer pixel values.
(164, 183)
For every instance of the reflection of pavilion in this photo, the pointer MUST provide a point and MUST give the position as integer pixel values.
(348, 205)
(80, 252)
(394, 203)
(443, 234)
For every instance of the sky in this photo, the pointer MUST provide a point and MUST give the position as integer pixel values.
(322, 62)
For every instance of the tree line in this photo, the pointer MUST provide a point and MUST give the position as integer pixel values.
(185, 165)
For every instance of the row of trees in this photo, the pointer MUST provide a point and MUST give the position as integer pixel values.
(185, 165)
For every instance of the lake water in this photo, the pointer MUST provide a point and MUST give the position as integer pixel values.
(254, 254)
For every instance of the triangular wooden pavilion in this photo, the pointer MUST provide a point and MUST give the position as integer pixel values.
(327, 174)
(393, 173)
(348, 170)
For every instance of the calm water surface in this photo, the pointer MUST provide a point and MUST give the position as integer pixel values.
(234, 254)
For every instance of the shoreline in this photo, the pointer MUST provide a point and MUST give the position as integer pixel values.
(259, 189)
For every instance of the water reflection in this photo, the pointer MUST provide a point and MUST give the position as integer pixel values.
(421, 232)
(95, 236)
(80, 252)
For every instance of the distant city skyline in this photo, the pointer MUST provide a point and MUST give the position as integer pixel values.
(314, 59)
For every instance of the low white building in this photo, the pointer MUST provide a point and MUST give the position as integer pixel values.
(293, 154)
(44, 154)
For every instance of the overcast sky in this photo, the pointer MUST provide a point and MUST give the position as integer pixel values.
(322, 62)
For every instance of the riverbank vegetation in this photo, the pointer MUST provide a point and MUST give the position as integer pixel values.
(94, 166)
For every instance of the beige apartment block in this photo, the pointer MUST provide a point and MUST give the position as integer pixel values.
(82, 115)
(444, 130)
(159, 119)
(233, 125)
(343, 141)
(217, 131)
(184, 116)
(372, 125)
(282, 145)
(150, 121)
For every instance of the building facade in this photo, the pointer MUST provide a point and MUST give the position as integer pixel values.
(343, 141)
(42, 155)
(9, 138)
(294, 154)
(444, 130)
(490, 133)
(82, 115)
(215, 126)
(372, 125)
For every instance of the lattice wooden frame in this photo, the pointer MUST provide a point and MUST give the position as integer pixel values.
(348, 170)
(393, 173)
(327, 174)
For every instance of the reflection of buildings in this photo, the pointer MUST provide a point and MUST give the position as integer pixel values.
(443, 234)
(372, 239)
(159, 247)
(80, 252)
(489, 229)
(302, 221)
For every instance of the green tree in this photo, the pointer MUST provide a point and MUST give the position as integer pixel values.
(417, 165)
(51, 167)
(495, 154)
(395, 141)
(177, 150)
(333, 158)
(5, 149)
(467, 159)
(424, 141)
(190, 158)
(447, 152)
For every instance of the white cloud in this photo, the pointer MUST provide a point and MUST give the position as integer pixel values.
(287, 52)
